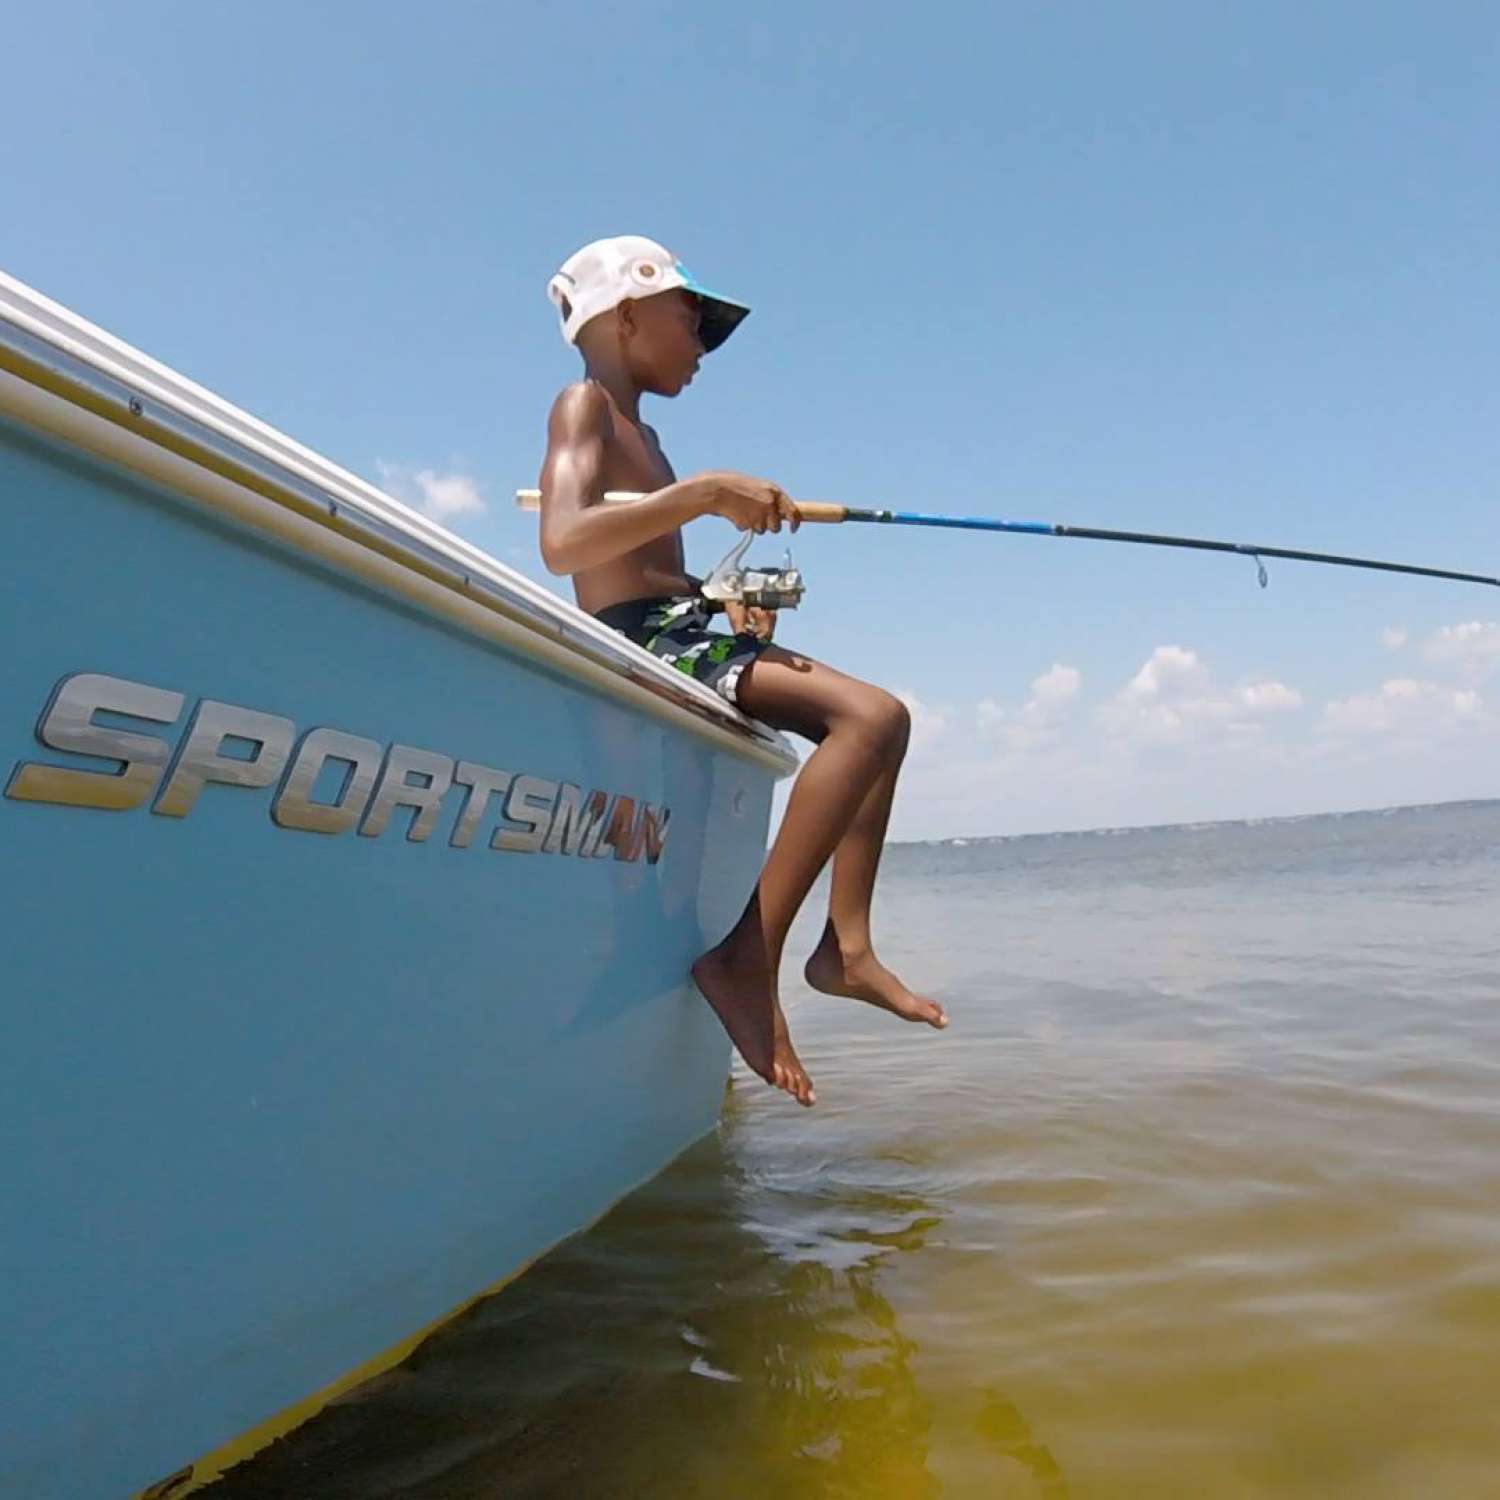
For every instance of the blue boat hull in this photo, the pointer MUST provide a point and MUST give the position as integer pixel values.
(273, 1099)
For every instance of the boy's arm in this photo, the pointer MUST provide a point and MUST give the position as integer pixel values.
(577, 532)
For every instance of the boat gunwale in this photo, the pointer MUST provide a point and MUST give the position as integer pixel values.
(55, 351)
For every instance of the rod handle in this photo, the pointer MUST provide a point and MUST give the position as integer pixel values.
(821, 510)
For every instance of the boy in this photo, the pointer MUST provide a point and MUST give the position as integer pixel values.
(642, 325)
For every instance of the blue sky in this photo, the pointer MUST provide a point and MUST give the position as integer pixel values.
(1221, 269)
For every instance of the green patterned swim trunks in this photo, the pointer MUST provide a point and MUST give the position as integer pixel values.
(676, 630)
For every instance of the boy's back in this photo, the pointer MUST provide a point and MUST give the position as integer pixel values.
(594, 447)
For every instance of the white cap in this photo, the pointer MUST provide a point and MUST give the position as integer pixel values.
(603, 274)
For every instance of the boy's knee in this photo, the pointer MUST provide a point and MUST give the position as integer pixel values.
(900, 719)
(885, 719)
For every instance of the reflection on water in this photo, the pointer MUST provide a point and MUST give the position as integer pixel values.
(1198, 1197)
(715, 1334)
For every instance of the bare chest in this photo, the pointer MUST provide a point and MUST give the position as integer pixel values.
(636, 460)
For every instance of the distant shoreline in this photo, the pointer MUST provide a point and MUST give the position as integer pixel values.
(1198, 826)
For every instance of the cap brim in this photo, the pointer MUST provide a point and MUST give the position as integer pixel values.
(718, 316)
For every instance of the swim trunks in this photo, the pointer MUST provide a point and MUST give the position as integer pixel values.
(676, 630)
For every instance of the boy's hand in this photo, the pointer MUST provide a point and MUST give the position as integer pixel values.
(751, 504)
(750, 620)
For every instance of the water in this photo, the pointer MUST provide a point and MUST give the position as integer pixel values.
(1198, 1197)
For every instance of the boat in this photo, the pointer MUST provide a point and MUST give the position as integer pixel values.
(351, 881)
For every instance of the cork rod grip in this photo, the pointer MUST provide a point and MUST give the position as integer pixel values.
(821, 510)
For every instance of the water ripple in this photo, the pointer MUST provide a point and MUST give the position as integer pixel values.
(1199, 1197)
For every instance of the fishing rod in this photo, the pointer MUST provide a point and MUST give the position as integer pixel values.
(829, 511)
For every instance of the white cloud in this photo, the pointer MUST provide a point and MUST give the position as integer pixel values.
(1035, 723)
(928, 722)
(1178, 744)
(1056, 686)
(1267, 697)
(990, 714)
(1403, 704)
(1393, 637)
(444, 497)
(1172, 699)
(1473, 647)
(1173, 740)
(1167, 671)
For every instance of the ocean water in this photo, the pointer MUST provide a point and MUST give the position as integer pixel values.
(1199, 1196)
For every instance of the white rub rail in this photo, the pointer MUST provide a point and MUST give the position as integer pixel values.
(50, 355)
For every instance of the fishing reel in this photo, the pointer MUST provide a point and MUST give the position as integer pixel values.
(755, 588)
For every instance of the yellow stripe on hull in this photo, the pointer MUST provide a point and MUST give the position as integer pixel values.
(211, 1466)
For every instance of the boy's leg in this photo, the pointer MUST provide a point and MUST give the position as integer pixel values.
(844, 962)
(860, 732)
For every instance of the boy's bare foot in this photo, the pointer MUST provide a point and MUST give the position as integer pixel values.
(734, 980)
(861, 976)
(787, 1071)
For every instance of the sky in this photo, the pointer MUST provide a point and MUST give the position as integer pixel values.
(1227, 270)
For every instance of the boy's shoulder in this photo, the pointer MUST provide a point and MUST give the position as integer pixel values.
(583, 398)
(582, 409)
